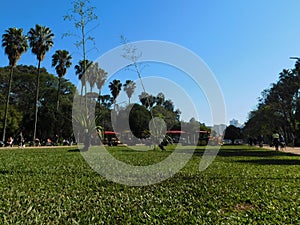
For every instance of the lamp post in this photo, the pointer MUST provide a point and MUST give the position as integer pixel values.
(297, 64)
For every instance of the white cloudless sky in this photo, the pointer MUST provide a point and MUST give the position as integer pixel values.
(246, 44)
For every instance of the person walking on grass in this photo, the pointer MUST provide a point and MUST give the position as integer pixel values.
(275, 137)
(21, 142)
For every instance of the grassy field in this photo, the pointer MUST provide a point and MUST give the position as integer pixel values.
(242, 186)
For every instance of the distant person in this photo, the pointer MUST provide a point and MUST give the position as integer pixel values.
(275, 139)
(56, 139)
(49, 142)
(21, 141)
(10, 142)
(37, 142)
(260, 140)
(281, 142)
(250, 141)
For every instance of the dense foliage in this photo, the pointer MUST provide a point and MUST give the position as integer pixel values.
(278, 109)
(21, 110)
(232, 133)
(58, 120)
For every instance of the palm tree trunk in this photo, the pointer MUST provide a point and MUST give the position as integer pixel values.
(36, 100)
(57, 97)
(81, 93)
(7, 103)
(99, 98)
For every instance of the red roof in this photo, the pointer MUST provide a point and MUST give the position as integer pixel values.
(110, 132)
(175, 132)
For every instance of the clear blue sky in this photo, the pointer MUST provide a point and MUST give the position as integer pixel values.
(245, 43)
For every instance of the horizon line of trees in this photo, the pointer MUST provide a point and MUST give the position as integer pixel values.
(52, 121)
(278, 109)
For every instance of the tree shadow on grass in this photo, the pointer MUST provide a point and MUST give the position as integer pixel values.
(3, 172)
(244, 152)
(74, 150)
(271, 161)
(251, 153)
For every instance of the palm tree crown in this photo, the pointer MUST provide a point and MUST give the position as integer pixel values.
(40, 41)
(62, 61)
(15, 44)
(80, 70)
(96, 76)
(115, 88)
(101, 78)
(129, 88)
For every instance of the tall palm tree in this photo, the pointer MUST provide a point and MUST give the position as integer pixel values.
(40, 41)
(15, 44)
(80, 69)
(100, 79)
(115, 87)
(129, 88)
(62, 61)
(92, 76)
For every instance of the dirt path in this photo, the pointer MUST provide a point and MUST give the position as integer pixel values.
(294, 150)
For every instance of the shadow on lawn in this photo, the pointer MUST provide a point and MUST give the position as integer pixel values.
(3, 172)
(272, 161)
(251, 152)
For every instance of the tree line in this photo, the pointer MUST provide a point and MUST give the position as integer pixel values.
(58, 120)
(278, 109)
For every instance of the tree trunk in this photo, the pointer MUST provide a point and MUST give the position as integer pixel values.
(57, 97)
(36, 100)
(7, 103)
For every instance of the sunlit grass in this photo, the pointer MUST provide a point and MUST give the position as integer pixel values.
(242, 186)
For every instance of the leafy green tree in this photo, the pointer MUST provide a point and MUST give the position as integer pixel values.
(61, 60)
(168, 105)
(168, 116)
(14, 118)
(52, 121)
(129, 88)
(232, 133)
(15, 44)
(106, 101)
(160, 98)
(139, 119)
(278, 107)
(40, 41)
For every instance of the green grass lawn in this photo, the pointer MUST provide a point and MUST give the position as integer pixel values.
(242, 186)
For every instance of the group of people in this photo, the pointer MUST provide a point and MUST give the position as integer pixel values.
(10, 141)
(277, 141)
(258, 140)
(20, 141)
